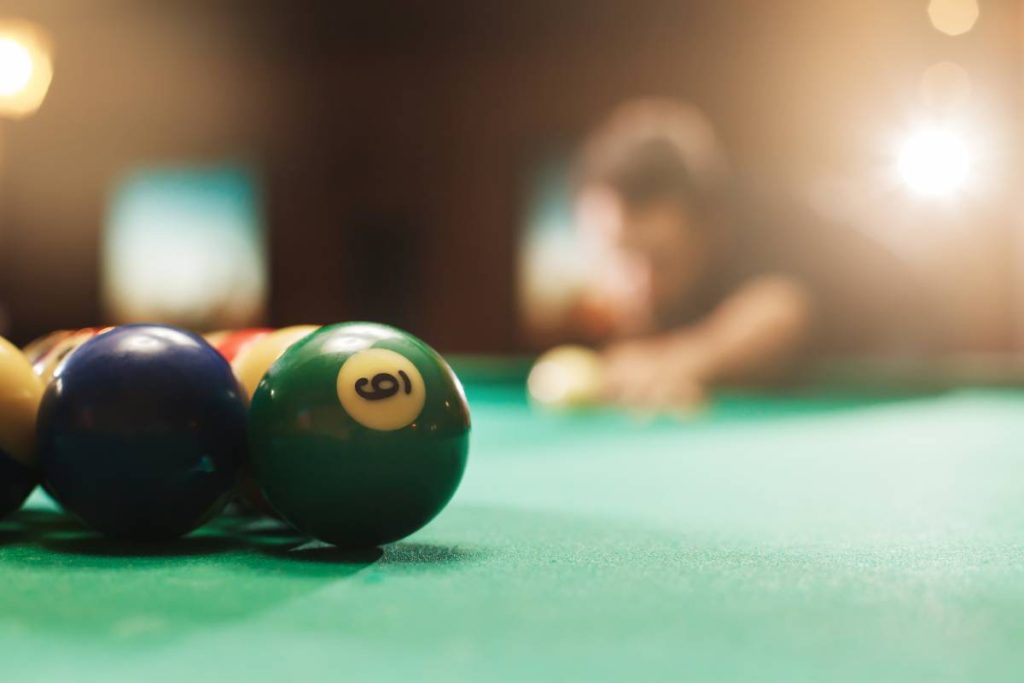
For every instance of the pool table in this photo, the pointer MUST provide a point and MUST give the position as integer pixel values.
(817, 535)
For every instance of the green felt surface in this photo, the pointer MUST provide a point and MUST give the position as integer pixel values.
(822, 537)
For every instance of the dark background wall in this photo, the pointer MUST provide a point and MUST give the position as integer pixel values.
(394, 139)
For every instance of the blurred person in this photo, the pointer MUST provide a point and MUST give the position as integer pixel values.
(702, 278)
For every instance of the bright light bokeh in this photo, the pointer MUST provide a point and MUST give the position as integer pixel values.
(935, 161)
(15, 67)
(25, 68)
(953, 17)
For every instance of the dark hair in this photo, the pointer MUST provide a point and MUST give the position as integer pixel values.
(653, 150)
(651, 171)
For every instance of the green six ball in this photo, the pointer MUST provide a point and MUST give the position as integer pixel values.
(359, 434)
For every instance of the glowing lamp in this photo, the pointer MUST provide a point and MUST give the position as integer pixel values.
(25, 68)
(935, 161)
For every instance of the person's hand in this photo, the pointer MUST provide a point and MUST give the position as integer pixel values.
(662, 374)
(750, 337)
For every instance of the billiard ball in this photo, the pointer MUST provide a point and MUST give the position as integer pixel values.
(359, 434)
(567, 377)
(250, 362)
(47, 352)
(231, 343)
(253, 361)
(20, 392)
(47, 364)
(39, 347)
(142, 432)
(215, 338)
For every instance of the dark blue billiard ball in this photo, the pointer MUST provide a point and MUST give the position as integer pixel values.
(16, 482)
(142, 432)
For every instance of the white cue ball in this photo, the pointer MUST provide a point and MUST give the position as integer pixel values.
(567, 377)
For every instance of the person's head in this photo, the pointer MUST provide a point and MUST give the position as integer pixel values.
(650, 180)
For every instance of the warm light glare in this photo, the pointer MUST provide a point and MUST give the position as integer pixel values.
(935, 161)
(953, 17)
(15, 67)
(25, 68)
